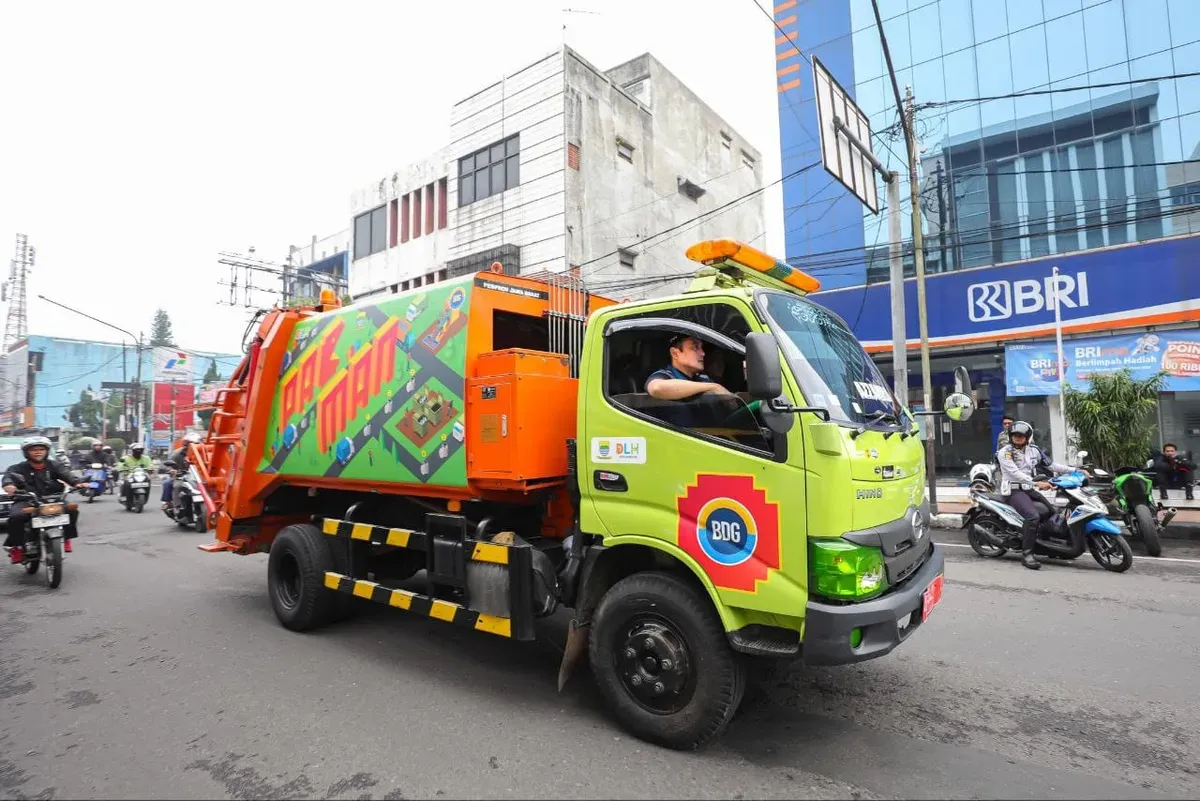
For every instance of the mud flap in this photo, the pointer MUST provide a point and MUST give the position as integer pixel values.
(576, 647)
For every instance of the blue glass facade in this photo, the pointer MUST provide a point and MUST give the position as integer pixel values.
(1008, 178)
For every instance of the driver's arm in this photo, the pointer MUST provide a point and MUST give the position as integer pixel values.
(660, 386)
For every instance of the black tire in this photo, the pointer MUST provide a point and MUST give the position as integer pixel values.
(710, 677)
(52, 554)
(31, 566)
(1148, 528)
(979, 543)
(138, 506)
(202, 521)
(1111, 552)
(300, 557)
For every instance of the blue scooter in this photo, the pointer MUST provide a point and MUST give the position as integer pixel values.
(994, 527)
(96, 478)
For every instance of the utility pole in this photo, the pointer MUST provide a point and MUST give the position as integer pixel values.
(896, 282)
(922, 310)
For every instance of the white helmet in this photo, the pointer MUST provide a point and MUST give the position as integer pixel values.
(31, 442)
(193, 437)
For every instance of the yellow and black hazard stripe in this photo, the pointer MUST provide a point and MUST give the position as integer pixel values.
(419, 604)
(376, 535)
(489, 552)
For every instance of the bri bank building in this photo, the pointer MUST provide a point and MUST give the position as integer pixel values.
(1051, 133)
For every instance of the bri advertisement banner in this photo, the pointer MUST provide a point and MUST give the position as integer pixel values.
(1029, 369)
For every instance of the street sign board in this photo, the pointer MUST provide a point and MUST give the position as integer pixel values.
(130, 385)
(839, 157)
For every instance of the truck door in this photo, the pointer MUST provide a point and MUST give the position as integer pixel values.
(702, 474)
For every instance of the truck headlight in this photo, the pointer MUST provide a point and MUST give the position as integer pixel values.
(845, 571)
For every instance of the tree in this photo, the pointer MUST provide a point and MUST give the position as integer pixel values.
(1114, 419)
(85, 413)
(160, 330)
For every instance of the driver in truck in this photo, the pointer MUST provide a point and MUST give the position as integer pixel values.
(684, 377)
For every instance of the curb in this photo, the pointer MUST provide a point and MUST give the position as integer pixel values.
(1175, 531)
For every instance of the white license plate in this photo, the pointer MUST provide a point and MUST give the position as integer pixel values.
(47, 522)
(139, 485)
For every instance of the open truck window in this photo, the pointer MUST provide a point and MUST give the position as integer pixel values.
(631, 356)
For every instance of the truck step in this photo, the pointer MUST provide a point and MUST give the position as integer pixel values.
(419, 604)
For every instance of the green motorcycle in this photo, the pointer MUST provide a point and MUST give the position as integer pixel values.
(1133, 492)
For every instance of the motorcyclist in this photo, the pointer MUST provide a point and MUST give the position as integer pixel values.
(97, 455)
(42, 477)
(62, 458)
(132, 461)
(1019, 461)
(179, 462)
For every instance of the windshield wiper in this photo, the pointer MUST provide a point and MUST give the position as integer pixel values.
(884, 417)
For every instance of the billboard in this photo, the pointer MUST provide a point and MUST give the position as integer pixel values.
(1153, 283)
(376, 391)
(172, 365)
(1030, 369)
(183, 395)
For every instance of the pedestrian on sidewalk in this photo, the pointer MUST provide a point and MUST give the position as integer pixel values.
(1174, 470)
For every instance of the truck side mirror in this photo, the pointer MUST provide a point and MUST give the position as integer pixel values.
(764, 376)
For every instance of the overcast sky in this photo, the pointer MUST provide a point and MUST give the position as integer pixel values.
(141, 138)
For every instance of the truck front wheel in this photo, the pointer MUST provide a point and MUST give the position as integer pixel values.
(300, 555)
(661, 659)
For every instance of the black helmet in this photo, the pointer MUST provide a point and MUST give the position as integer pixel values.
(1021, 428)
(33, 442)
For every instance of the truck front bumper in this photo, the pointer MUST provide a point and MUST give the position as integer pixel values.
(828, 627)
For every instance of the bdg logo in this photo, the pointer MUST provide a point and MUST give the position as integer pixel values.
(726, 531)
(730, 528)
(604, 448)
(1001, 300)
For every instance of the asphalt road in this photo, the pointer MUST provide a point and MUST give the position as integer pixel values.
(157, 670)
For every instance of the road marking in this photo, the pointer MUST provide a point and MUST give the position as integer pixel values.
(1151, 558)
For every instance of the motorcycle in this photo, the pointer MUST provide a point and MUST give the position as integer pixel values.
(135, 489)
(191, 509)
(994, 528)
(1133, 494)
(96, 477)
(49, 517)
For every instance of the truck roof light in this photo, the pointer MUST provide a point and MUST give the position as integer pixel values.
(329, 298)
(715, 252)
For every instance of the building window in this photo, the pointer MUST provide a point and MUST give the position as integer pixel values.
(625, 150)
(394, 228)
(405, 211)
(573, 156)
(489, 171)
(441, 204)
(429, 208)
(627, 257)
(726, 141)
(1186, 195)
(443, 274)
(747, 160)
(416, 221)
(404, 286)
(370, 232)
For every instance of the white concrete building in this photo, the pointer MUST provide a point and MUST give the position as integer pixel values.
(563, 166)
(320, 264)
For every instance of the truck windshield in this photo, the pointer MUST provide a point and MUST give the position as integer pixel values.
(829, 363)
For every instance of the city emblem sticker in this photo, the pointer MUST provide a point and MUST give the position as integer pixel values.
(619, 450)
(730, 528)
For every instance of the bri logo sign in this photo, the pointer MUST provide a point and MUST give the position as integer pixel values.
(1001, 300)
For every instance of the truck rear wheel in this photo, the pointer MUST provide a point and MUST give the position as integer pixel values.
(300, 556)
(661, 659)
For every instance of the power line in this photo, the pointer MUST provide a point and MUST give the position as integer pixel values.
(1035, 92)
(701, 216)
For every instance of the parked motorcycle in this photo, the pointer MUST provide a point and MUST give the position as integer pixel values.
(96, 477)
(994, 527)
(49, 517)
(1133, 494)
(190, 510)
(135, 489)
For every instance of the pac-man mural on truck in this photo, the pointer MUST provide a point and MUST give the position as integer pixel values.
(375, 392)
